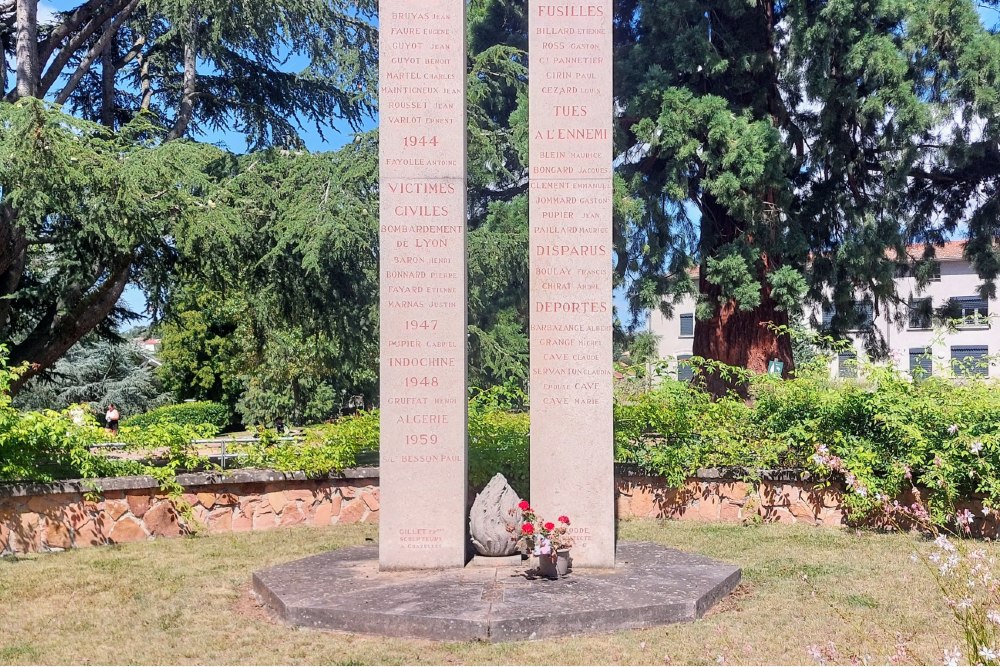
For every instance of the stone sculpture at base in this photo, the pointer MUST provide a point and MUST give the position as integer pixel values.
(494, 522)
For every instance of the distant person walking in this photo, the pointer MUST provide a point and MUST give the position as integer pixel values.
(112, 417)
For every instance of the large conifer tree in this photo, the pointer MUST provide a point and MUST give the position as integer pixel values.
(93, 202)
(792, 150)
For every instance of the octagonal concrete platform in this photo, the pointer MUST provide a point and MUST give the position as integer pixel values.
(343, 590)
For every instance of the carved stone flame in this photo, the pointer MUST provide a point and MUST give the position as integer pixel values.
(495, 520)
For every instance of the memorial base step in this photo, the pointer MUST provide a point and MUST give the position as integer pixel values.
(343, 590)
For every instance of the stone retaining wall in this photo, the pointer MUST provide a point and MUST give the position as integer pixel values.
(714, 495)
(54, 517)
(65, 515)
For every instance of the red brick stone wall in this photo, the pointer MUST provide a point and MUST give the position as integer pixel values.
(34, 520)
(772, 501)
(58, 521)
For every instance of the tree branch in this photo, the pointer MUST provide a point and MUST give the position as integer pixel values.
(53, 337)
(51, 75)
(133, 53)
(78, 17)
(506, 193)
(95, 50)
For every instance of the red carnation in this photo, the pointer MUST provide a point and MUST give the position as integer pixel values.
(564, 519)
(524, 505)
(527, 529)
(549, 525)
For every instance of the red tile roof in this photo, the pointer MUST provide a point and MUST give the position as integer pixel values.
(951, 250)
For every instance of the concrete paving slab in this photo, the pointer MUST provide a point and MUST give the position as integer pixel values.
(344, 590)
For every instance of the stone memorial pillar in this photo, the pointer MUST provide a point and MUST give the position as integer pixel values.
(570, 117)
(422, 522)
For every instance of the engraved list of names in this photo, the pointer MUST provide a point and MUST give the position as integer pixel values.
(570, 112)
(423, 290)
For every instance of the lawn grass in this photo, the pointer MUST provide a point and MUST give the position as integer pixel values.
(187, 601)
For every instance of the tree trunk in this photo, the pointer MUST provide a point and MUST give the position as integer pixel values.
(13, 257)
(190, 88)
(4, 48)
(732, 336)
(109, 73)
(26, 53)
(145, 86)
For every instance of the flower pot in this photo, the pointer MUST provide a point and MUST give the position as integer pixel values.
(563, 562)
(554, 569)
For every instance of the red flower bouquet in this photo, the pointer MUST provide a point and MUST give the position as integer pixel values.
(540, 537)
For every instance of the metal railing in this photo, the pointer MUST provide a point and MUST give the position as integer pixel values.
(219, 442)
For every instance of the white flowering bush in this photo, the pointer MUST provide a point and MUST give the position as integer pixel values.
(968, 581)
(966, 574)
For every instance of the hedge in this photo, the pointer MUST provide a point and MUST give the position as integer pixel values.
(183, 414)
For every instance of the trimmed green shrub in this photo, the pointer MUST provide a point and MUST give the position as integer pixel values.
(184, 414)
(46, 445)
(498, 438)
(326, 448)
(498, 442)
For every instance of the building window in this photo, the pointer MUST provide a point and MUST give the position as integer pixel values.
(970, 360)
(685, 373)
(921, 362)
(929, 271)
(687, 325)
(862, 315)
(847, 365)
(972, 310)
(920, 313)
(828, 313)
(935, 272)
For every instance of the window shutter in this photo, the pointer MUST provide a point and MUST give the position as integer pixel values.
(687, 324)
(685, 373)
(921, 363)
(847, 365)
(970, 360)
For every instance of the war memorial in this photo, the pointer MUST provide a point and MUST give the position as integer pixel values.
(419, 582)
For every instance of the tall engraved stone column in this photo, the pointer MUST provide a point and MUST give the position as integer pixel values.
(422, 522)
(570, 117)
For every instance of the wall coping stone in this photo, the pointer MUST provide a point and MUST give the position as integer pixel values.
(249, 475)
(626, 470)
(137, 482)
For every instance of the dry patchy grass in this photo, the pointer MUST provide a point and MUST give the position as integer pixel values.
(187, 601)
